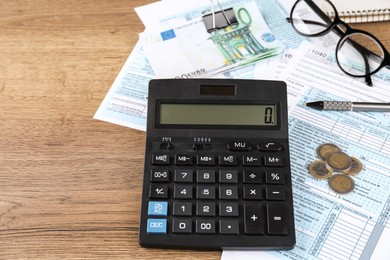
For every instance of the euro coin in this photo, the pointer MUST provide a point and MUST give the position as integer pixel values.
(319, 170)
(356, 167)
(338, 161)
(341, 183)
(326, 149)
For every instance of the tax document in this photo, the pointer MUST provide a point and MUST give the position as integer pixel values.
(126, 101)
(332, 226)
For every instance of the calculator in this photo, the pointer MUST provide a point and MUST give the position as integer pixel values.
(217, 166)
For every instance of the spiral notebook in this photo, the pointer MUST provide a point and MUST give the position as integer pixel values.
(361, 11)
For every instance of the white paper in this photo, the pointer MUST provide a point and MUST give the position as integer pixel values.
(328, 225)
(168, 12)
(364, 135)
(126, 101)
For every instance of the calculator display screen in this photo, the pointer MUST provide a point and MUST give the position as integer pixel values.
(217, 114)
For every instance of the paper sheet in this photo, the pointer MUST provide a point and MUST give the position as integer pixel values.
(168, 12)
(126, 101)
(329, 226)
(332, 226)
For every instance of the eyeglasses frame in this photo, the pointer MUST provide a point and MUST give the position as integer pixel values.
(334, 26)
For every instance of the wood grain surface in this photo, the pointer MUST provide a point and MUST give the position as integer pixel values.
(70, 186)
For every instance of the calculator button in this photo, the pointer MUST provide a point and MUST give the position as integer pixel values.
(229, 227)
(182, 209)
(182, 226)
(158, 208)
(251, 176)
(228, 193)
(228, 209)
(205, 176)
(201, 146)
(183, 160)
(273, 161)
(182, 175)
(239, 146)
(197, 147)
(166, 146)
(253, 219)
(207, 147)
(182, 192)
(205, 192)
(276, 219)
(156, 226)
(206, 209)
(228, 176)
(269, 146)
(159, 176)
(227, 160)
(205, 160)
(275, 193)
(158, 191)
(251, 160)
(274, 177)
(252, 193)
(161, 159)
(205, 226)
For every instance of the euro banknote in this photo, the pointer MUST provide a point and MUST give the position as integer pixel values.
(187, 50)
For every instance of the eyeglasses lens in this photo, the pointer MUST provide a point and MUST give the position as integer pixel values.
(312, 17)
(358, 54)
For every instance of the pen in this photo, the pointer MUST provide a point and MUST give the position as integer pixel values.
(349, 106)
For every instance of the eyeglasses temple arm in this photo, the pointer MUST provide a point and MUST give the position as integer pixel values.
(318, 11)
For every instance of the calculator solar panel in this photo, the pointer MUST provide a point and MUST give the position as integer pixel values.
(217, 166)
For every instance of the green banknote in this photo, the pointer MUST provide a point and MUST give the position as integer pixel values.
(187, 50)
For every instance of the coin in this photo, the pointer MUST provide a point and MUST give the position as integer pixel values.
(319, 170)
(327, 148)
(338, 161)
(341, 183)
(355, 168)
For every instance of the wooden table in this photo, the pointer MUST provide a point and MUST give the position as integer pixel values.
(70, 186)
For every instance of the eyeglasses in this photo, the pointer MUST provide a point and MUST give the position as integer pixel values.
(358, 53)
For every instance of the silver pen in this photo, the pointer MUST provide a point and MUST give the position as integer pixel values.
(349, 106)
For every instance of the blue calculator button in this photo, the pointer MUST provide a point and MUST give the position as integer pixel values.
(158, 208)
(157, 226)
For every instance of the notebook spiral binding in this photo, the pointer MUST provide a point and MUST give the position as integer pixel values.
(364, 16)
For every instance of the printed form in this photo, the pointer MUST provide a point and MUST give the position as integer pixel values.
(328, 225)
(126, 101)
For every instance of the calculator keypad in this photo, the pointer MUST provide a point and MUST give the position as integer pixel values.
(241, 191)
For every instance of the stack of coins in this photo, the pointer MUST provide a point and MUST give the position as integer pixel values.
(332, 160)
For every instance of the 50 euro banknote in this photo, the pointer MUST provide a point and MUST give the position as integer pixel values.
(187, 50)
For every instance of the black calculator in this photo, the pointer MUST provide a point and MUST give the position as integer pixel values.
(217, 166)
